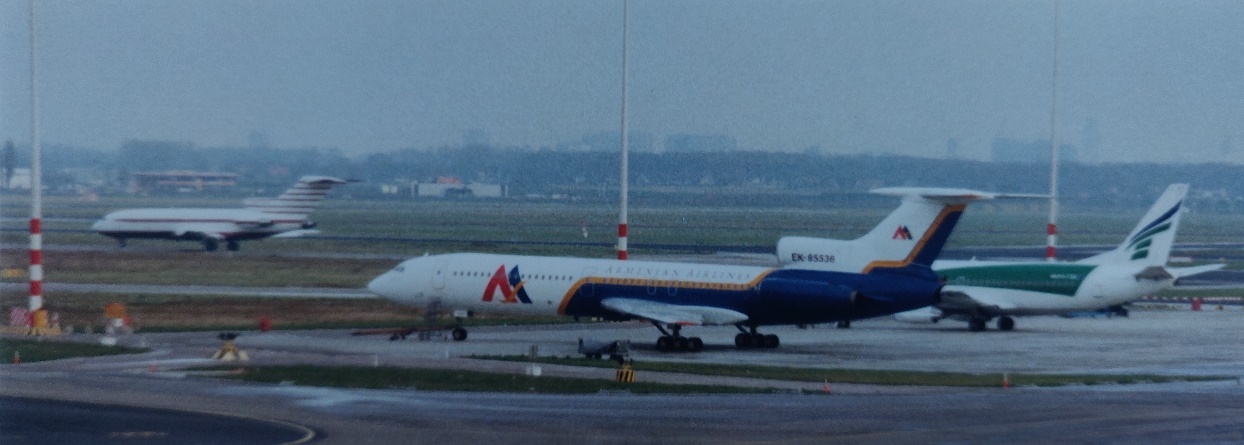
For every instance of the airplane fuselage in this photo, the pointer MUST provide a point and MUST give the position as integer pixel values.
(188, 224)
(577, 286)
(1028, 288)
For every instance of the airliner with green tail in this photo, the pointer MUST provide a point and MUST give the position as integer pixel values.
(979, 291)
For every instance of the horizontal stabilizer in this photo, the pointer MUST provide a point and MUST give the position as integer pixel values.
(949, 195)
(1180, 272)
(673, 314)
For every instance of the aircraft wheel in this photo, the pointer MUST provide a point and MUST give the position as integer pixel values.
(233, 246)
(459, 334)
(1006, 324)
(772, 341)
(682, 343)
(696, 344)
(976, 325)
(844, 324)
(663, 343)
(743, 341)
(210, 245)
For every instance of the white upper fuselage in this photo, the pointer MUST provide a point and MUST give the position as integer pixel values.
(478, 281)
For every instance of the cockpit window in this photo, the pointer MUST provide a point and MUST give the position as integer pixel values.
(399, 269)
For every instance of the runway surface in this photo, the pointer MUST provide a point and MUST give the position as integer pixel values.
(1166, 342)
(37, 421)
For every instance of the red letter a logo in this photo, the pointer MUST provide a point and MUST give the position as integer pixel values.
(499, 282)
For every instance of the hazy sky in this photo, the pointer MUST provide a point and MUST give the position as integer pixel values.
(1164, 80)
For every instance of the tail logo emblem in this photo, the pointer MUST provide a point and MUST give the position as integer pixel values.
(901, 233)
(510, 285)
(1139, 244)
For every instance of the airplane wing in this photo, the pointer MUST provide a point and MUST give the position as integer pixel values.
(295, 233)
(673, 314)
(199, 232)
(972, 299)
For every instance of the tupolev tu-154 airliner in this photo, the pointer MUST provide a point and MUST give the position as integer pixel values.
(286, 216)
(884, 272)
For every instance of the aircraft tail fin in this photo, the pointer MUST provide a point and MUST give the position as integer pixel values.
(1150, 242)
(300, 199)
(913, 234)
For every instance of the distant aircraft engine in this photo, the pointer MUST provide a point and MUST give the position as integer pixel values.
(309, 224)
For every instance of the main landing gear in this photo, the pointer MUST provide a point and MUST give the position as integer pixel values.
(675, 342)
(211, 245)
(1004, 324)
(753, 339)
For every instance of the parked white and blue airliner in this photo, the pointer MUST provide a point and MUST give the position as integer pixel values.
(884, 272)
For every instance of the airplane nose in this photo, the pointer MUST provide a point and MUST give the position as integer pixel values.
(384, 285)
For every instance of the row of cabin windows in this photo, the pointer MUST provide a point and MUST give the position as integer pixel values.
(1000, 283)
(520, 276)
(620, 281)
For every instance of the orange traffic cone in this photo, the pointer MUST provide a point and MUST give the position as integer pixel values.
(826, 387)
(1006, 381)
(17, 357)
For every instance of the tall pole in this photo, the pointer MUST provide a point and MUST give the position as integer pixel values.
(625, 155)
(36, 173)
(1052, 228)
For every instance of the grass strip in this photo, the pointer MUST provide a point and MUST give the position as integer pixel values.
(41, 350)
(865, 376)
(387, 377)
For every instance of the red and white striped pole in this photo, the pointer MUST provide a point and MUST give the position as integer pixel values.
(1051, 241)
(1051, 230)
(625, 155)
(36, 182)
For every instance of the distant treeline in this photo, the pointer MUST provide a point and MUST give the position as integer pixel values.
(729, 178)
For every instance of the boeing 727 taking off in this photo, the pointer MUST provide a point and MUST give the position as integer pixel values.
(285, 216)
(884, 272)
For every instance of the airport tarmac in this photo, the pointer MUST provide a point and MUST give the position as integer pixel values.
(1166, 342)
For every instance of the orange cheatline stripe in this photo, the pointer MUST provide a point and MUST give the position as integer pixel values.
(911, 256)
(574, 289)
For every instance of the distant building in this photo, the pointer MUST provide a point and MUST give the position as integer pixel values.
(445, 187)
(1029, 152)
(457, 190)
(181, 181)
(20, 179)
(612, 141)
(695, 143)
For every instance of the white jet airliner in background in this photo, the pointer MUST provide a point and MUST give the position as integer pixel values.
(285, 216)
(977, 291)
(884, 272)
